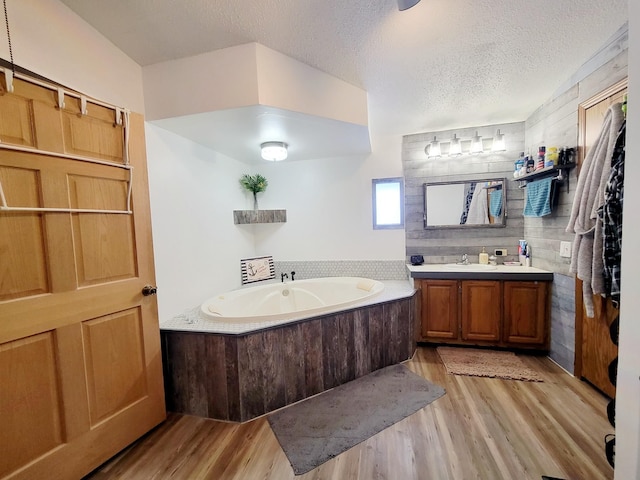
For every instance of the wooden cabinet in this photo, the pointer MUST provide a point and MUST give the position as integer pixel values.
(481, 310)
(439, 309)
(485, 312)
(525, 312)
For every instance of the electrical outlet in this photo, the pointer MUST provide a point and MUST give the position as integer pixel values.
(565, 249)
(500, 252)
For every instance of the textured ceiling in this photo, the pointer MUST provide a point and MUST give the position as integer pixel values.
(439, 65)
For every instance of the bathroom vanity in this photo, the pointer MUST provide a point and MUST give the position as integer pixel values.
(504, 306)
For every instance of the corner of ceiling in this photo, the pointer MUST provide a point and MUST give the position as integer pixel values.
(251, 91)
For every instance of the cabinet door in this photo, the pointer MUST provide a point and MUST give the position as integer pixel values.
(439, 309)
(481, 310)
(525, 313)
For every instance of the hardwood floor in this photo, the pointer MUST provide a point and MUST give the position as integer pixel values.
(482, 428)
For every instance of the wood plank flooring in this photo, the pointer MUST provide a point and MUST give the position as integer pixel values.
(483, 428)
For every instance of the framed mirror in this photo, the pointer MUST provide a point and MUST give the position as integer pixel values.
(465, 204)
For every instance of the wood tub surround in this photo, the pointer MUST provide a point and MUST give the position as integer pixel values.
(243, 376)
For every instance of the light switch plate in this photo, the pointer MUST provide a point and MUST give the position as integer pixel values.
(565, 249)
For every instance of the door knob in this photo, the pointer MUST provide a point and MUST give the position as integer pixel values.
(149, 290)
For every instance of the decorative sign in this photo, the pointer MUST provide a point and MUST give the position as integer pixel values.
(257, 269)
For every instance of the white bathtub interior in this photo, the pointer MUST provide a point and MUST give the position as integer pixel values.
(280, 300)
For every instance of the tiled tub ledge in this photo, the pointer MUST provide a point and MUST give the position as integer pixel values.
(237, 374)
(192, 320)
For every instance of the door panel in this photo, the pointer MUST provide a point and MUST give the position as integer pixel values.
(33, 407)
(80, 361)
(102, 236)
(16, 120)
(597, 349)
(114, 356)
(93, 137)
(23, 271)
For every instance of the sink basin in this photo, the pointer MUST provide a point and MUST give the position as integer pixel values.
(471, 267)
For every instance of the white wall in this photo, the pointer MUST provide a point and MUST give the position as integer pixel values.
(208, 82)
(329, 207)
(197, 247)
(628, 384)
(52, 41)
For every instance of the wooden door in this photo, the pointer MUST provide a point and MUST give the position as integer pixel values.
(80, 362)
(594, 349)
(481, 310)
(525, 313)
(439, 317)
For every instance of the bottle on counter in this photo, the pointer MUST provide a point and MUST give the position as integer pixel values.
(483, 258)
(522, 249)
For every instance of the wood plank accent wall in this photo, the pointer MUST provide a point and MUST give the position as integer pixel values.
(241, 377)
(447, 245)
(556, 123)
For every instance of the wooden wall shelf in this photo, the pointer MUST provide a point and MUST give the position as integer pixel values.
(242, 217)
(560, 173)
(545, 172)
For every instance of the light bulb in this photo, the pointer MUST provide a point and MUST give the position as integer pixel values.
(476, 144)
(455, 147)
(273, 151)
(498, 142)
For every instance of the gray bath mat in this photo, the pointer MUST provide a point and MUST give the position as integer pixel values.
(322, 427)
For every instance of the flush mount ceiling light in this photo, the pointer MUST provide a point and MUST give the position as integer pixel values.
(498, 142)
(273, 151)
(455, 147)
(433, 148)
(407, 4)
(476, 144)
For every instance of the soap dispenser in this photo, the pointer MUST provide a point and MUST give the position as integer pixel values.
(484, 257)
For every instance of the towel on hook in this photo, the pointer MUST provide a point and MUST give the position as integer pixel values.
(495, 203)
(586, 259)
(537, 202)
(478, 208)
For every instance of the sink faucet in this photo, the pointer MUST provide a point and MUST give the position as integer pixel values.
(283, 276)
(464, 260)
(292, 275)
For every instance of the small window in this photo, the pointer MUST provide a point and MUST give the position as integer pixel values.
(388, 203)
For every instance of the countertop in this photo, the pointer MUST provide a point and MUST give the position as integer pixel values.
(472, 272)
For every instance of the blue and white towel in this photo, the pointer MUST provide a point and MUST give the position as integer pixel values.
(537, 202)
(495, 203)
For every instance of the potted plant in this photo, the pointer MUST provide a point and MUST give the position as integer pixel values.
(255, 184)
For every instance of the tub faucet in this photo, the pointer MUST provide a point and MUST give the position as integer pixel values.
(292, 275)
(283, 276)
(464, 260)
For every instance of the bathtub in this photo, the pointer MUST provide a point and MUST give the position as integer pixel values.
(281, 301)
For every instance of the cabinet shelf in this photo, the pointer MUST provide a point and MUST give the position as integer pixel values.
(243, 217)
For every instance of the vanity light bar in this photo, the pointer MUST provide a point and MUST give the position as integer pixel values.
(474, 145)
